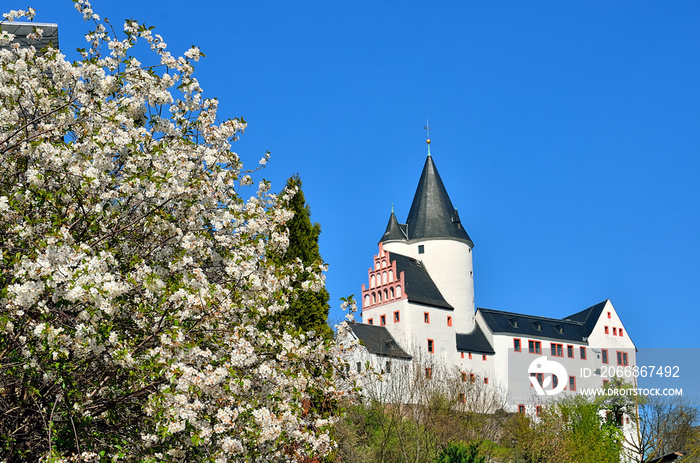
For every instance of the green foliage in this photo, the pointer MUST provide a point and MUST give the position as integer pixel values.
(572, 430)
(308, 310)
(460, 452)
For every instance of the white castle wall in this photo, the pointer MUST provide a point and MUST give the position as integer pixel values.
(449, 263)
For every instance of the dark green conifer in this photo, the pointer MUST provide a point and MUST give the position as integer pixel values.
(308, 309)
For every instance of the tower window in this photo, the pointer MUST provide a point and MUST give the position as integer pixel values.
(421, 249)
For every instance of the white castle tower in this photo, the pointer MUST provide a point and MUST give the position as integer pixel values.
(422, 286)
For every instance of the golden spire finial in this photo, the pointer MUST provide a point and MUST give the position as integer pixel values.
(427, 128)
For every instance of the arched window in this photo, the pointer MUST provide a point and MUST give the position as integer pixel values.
(386, 295)
(371, 281)
(383, 264)
(376, 267)
(391, 276)
(391, 292)
(384, 278)
(366, 300)
(380, 296)
(374, 298)
(398, 291)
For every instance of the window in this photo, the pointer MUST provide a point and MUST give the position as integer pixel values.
(464, 377)
(391, 276)
(557, 350)
(428, 373)
(614, 331)
(421, 249)
(572, 383)
(604, 353)
(534, 347)
(374, 298)
(426, 317)
(609, 315)
(391, 292)
(483, 357)
(367, 300)
(472, 377)
(605, 383)
(521, 409)
(607, 331)
(359, 367)
(388, 366)
(539, 376)
(570, 351)
(516, 345)
(370, 321)
(449, 321)
(470, 355)
(396, 316)
(371, 282)
(486, 380)
(384, 280)
(461, 398)
(462, 353)
(431, 346)
(382, 320)
(538, 410)
(583, 353)
(620, 331)
(555, 381)
(622, 358)
(398, 291)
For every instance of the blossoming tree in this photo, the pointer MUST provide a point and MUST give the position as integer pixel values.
(136, 282)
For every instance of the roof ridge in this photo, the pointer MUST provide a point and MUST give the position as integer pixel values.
(536, 317)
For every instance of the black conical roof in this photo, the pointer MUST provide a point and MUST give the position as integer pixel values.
(394, 230)
(432, 214)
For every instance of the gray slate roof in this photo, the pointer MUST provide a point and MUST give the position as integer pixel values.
(431, 215)
(21, 29)
(475, 342)
(418, 285)
(394, 230)
(574, 328)
(377, 340)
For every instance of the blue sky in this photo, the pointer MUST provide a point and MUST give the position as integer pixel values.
(566, 134)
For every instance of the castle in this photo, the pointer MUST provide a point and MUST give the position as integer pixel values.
(418, 308)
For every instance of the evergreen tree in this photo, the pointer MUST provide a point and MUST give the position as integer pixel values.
(308, 310)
